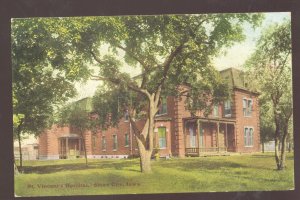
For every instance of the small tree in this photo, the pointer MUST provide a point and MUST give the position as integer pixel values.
(267, 127)
(79, 120)
(40, 82)
(270, 67)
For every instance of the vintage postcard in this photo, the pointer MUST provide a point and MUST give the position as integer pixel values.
(147, 104)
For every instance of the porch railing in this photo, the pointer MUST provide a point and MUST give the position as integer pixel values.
(198, 151)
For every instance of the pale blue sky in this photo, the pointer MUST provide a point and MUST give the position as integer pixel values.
(235, 56)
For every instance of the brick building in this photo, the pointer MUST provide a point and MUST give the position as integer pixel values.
(233, 126)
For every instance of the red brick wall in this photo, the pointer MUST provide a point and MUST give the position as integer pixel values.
(209, 135)
(242, 121)
(173, 121)
(48, 142)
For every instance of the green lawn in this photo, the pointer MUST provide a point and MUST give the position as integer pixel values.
(205, 174)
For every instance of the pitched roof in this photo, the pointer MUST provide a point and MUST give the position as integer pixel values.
(85, 104)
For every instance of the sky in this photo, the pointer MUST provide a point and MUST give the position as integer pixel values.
(235, 56)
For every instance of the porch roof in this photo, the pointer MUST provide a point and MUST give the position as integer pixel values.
(220, 120)
(70, 135)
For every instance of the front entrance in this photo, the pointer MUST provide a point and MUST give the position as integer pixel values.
(70, 147)
(204, 137)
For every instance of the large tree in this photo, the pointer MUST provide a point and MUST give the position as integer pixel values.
(167, 50)
(270, 67)
(39, 84)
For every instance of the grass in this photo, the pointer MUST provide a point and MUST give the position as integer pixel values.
(255, 172)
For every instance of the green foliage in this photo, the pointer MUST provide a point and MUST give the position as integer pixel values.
(75, 116)
(48, 54)
(147, 43)
(43, 69)
(271, 73)
(270, 65)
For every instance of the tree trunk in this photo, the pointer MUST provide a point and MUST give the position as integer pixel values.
(290, 147)
(16, 171)
(84, 149)
(145, 139)
(20, 150)
(145, 161)
(277, 152)
(263, 147)
(283, 150)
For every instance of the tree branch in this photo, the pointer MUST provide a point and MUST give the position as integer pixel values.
(131, 54)
(119, 81)
(166, 65)
(96, 58)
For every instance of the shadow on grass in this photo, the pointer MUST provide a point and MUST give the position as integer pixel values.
(288, 156)
(189, 165)
(46, 169)
(263, 156)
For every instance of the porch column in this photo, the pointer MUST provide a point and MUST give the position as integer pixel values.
(235, 138)
(67, 147)
(218, 130)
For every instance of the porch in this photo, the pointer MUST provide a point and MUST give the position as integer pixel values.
(70, 146)
(209, 136)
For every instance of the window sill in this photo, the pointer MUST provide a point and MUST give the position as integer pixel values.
(114, 149)
(103, 149)
(248, 146)
(158, 115)
(126, 146)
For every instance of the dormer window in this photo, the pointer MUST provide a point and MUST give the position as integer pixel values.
(163, 107)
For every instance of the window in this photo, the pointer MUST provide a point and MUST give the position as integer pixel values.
(192, 137)
(103, 143)
(126, 116)
(248, 136)
(126, 140)
(163, 107)
(247, 107)
(94, 141)
(227, 108)
(216, 111)
(162, 137)
(115, 142)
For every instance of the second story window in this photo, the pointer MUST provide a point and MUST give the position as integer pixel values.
(216, 111)
(247, 107)
(227, 108)
(163, 107)
(126, 116)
